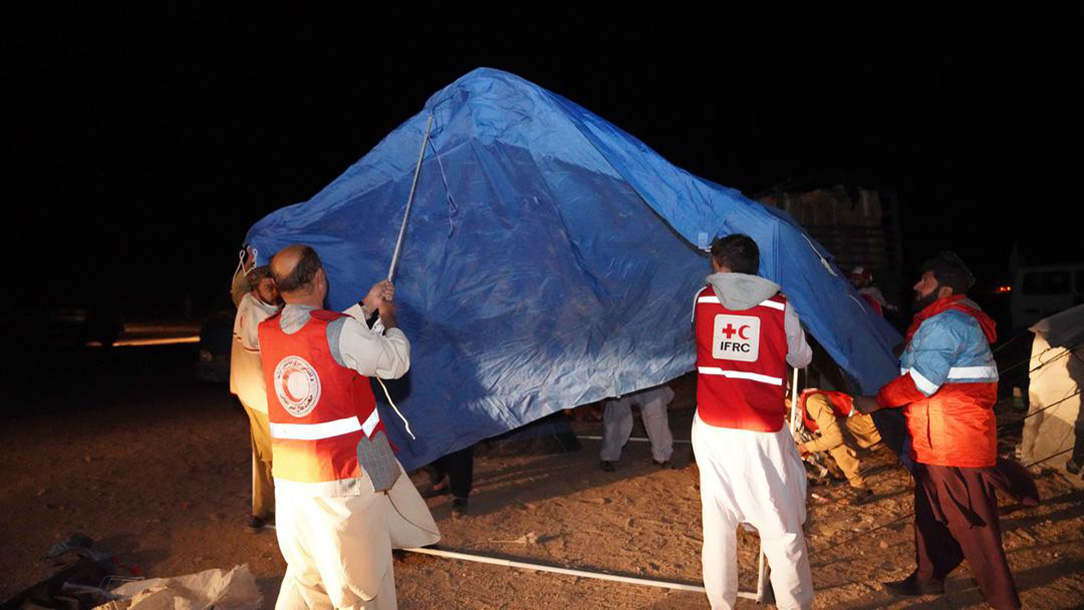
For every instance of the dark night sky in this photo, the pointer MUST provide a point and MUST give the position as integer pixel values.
(143, 145)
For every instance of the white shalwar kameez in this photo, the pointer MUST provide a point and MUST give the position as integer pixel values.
(741, 472)
(754, 477)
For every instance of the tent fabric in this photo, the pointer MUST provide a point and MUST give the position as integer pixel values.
(1055, 422)
(1065, 329)
(550, 260)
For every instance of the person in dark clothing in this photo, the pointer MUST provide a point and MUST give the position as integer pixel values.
(453, 473)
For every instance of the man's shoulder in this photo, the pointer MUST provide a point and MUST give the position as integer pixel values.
(326, 315)
(952, 320)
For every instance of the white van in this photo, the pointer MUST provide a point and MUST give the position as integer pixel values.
(1040, 292)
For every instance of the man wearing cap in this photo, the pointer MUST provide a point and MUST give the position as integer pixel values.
(947, 389)
(343, 500)
(862, 280)
(246, 381)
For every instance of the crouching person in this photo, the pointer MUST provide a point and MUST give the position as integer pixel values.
(839, 430)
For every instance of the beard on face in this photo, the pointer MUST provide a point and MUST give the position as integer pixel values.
(922, 302)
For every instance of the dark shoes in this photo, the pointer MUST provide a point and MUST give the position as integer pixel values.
(607, 465)
(434, 491)
(665, 464)
(912, 586)
(459, 507)
(858, 496)
(256, 524)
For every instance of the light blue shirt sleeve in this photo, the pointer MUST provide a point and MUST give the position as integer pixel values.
(933, 352)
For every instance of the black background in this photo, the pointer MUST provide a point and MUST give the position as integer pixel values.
(141, 144)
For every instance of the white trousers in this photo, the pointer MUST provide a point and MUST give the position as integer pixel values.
(338, 549)
(617, 423)
(755, 478)
(297, 594)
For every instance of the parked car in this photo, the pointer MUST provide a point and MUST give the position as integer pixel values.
(1040, 292)
(215, 343)
(66, 325)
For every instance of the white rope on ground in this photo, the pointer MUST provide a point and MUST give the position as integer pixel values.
(523, 565)
(638, 439)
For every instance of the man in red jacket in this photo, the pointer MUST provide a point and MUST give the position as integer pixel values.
(947, 389)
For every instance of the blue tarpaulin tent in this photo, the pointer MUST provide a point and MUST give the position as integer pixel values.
(550, 260)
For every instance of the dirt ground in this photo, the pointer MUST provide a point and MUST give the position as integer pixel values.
(155, 467)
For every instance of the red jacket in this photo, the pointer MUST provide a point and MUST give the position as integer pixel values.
(950, 386)
(841, 403)
(318, 409)
(741, 360)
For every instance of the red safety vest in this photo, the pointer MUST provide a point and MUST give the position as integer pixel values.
(741, 360)
(874, 304)
(841, 404)
(318, 409)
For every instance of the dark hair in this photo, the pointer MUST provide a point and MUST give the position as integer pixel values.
(737, 252)
(950, 270)
(257, 274)
(301, 275)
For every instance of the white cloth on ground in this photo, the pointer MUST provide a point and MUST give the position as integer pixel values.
(617, 423)
(755, 478)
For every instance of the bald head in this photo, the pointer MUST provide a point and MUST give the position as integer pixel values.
(297, 271)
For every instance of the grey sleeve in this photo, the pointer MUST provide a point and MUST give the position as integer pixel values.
(334, 332)
(799, 354)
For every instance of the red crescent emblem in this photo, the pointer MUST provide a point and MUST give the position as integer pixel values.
(741, 332)
(286, 386)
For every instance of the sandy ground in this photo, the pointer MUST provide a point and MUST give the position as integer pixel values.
(155, 468)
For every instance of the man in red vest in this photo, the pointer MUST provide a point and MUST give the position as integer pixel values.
(947, 389)
(750, 471)
(342, 499)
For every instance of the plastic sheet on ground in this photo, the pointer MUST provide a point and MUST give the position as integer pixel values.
(216, 588)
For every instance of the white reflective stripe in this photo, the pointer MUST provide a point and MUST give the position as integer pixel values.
(924, 385)
(973, 372)
(714, 370)
(715, 300)
(315, 432)
(370, 423)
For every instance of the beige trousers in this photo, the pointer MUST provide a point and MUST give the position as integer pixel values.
(263, 486)
(338, 549)
(859, 428)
